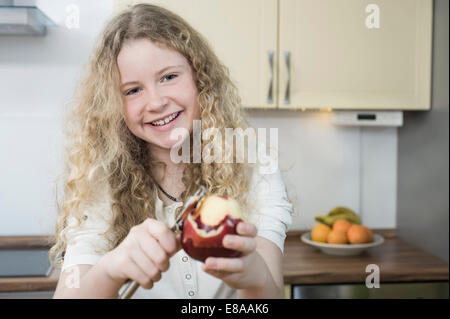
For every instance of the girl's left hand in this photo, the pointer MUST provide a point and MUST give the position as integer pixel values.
(246, 271)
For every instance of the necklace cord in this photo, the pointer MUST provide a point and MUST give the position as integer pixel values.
(165, 193)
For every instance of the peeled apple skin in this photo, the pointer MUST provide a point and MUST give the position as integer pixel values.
(200, 240)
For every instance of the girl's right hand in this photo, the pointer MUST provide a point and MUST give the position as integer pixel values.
(143, 255)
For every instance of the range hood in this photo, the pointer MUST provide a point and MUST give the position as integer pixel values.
(22, 18)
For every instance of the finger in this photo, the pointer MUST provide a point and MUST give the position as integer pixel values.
(229, 265)
(146, 265)
(246, 229)
(154, 251)
(246, 245)
(216, 273)
(163, 235)
(134, 272)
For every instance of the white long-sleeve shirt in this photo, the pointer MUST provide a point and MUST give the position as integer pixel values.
(271, 214)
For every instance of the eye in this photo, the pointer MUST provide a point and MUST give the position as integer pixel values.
(169, 77)
(132, 91)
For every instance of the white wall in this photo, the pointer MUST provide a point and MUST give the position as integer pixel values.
(323, 165)
(326, 166)
(37, 78)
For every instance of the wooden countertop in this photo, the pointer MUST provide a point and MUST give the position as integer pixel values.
(27, 283)
(397, 260)
(303, 264)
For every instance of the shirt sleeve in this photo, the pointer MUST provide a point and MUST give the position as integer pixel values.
(87, 241)
(271, 211)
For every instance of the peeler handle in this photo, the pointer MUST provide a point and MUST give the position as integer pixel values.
(128, 290)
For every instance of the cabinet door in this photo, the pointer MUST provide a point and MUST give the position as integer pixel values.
(242, 33)
(340, 58)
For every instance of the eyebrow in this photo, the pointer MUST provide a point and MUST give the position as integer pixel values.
(157, 73)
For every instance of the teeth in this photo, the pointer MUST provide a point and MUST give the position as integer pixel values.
(164, 121)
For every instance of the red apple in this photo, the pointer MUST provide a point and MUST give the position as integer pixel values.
(206, 225)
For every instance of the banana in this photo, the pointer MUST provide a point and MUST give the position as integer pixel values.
(352, 216)
(324, 220)
(329, 220)
(341, 210)
(339, 213)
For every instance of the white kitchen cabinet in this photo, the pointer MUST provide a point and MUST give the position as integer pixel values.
(340, 58)
(346, 54)
(243, 34)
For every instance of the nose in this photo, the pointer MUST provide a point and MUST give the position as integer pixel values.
(156, 99)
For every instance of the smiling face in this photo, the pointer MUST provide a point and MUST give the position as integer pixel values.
(158, 90)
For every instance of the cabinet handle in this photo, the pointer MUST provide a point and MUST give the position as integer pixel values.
(287, 93)
(270, 92)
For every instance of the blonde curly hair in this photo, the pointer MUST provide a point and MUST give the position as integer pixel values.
(100, 150)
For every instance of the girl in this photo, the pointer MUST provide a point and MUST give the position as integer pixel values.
(151, 73)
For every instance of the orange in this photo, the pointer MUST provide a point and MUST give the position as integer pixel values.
(370, 234)
(337, 237)
(320, 232)
(342, 225)
(358, 234)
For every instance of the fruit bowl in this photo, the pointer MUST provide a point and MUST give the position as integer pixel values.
(342, 250)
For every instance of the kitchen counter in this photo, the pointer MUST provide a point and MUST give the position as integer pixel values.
(303, 265)
(27, 284)
(397, 260)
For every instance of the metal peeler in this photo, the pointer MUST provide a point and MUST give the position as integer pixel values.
(130, 287)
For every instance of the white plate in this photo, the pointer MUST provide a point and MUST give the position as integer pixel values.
(342, 250)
